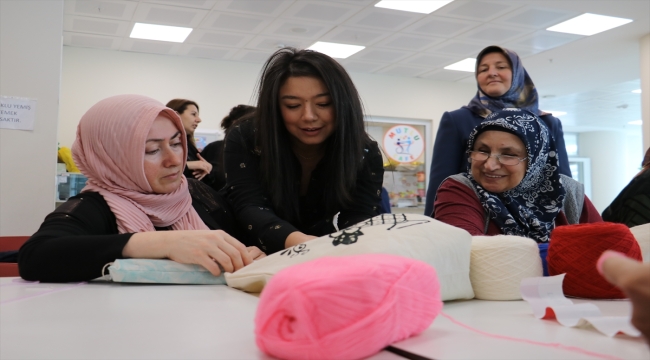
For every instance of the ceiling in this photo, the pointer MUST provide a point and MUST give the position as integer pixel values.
(590, 78)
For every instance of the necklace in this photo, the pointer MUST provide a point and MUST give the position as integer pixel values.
(306, 157)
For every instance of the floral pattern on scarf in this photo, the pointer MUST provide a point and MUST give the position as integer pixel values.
(530, 208)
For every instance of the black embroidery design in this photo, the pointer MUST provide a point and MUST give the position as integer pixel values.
(300, 249)
(346, 238)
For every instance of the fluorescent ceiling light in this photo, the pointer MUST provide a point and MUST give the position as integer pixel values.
(636, 122)
(555, 113)
(160, 32)
(468, 65)
(637, 91)
(339, 51)
(589, 24)
(418, 6)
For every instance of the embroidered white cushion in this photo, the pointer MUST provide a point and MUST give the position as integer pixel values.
(445, 247)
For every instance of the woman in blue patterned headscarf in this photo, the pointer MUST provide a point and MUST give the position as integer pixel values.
(512, 185)
(502, 82)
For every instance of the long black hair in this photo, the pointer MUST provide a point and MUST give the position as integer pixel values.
(344, 148)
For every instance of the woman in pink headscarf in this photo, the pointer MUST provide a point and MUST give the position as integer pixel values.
(133, 150)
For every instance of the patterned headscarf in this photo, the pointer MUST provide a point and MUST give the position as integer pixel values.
(109, 150)
(530, 208)
(522, 93)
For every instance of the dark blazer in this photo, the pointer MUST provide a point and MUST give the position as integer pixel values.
(449, 155)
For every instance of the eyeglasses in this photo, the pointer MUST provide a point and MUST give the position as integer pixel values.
(507, 160)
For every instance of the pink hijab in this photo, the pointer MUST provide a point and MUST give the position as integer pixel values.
(109, 150)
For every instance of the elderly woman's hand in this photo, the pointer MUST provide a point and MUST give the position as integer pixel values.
(208, 248)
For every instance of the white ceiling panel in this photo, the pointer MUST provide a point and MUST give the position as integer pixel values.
(198, 4)
(441, 26)
(460, 49)
(410, 42)
(254, 7)
(361, 66)
(522, 51)
(215, 38)
(354, 36)
(495, 34)
(89, 25)
(297, 29)
(381, 55)
(120, 10)
(150, 46)
(429, 60)
(198, 51)
(91, 41)
(169, 15)
(253, 56)
(445, 75)
(543, 40)
(536, 18)
(477, 9)
(402, 70)
(269, 44)
(383, 19)
(321, 11)
(235, 22)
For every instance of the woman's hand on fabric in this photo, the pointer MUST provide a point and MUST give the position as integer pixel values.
(296, 238)
(208, 248)
(633, 278)
(255, 252)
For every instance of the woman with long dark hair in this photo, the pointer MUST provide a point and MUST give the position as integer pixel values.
(304, 166)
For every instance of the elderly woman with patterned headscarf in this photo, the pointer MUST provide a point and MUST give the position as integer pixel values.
(502, 82)
(136, 204)
(512, 185)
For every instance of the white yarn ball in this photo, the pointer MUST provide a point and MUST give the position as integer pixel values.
(499, 263)
(642, 235)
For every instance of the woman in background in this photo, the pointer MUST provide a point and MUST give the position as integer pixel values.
(213, 152)
(197, 167)
(132, 149)
(303, 166)
(632, 205)
(512, 185)
(502, 82)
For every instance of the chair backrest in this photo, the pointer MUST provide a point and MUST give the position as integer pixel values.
(8, 243)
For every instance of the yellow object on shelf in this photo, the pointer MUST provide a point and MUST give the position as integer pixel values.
(65, 156)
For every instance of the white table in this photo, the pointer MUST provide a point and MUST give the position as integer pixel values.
(121, 321)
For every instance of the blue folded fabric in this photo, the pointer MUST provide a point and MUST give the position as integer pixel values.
(161, 272)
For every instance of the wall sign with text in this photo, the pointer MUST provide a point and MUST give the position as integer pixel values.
(403, 143)
(17, 113)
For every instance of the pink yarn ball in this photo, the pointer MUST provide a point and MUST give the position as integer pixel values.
(345, 307)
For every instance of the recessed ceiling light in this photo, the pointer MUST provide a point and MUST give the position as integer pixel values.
(637, 91)
(468, 65)
(636, 122)
(160, 32)
(339, 51)
(418, 6)
(589, 24)
(555, 113)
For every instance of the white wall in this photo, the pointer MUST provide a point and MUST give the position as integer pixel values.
(30, 66)
(90, 75)
(644, 50)
(609, 168)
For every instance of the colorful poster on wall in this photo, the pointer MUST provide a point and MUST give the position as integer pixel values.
(17, 113)
(403, 143)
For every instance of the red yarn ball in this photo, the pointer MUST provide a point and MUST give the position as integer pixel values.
(575, 249)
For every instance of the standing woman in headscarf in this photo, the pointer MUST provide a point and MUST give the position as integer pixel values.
(132, 149)
(502, 82)
(512, 185)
